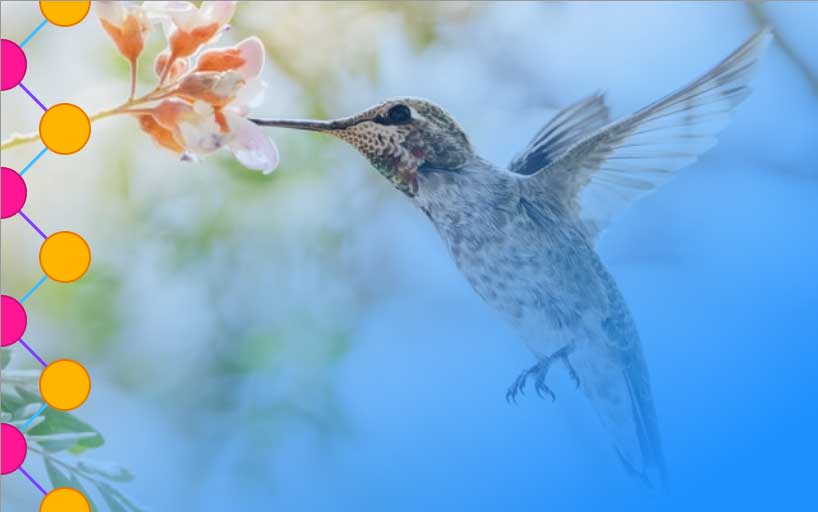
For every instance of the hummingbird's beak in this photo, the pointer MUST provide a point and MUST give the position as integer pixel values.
(304, 124)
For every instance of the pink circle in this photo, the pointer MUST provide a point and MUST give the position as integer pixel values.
(13, 65)
(13, 449)
(14, 192)
(14, 319)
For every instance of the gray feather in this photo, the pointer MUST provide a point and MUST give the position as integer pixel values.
(607, 170)
(564, 130)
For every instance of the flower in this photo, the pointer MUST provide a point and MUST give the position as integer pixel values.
(192, 27)
(221, 73)
(210, 105)
(177, 69)
(217, 95)
(200, 129)
(246, 58)
(164, 137)
(218, 88)
(198, 109)
(128, 26)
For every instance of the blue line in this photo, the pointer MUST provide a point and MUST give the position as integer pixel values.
(33, 289)
(39, 155)
(33, 33)
(31, 419)
(38, 102)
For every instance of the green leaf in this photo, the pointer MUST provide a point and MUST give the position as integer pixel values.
(59, 422)
(114, 505)
(28, 395)
(5, 357)
(28, 410)
(23, 403)
(57, 477)
(28, 378)
(12, 403)
(110, 471)
(60, 442)
(76, 484)
(116, 500)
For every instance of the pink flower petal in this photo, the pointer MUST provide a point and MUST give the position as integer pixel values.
(251, 146)
(252, 51)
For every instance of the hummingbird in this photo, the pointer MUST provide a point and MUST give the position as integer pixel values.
(524, 236)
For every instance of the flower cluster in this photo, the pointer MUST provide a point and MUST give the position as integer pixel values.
(202, 97)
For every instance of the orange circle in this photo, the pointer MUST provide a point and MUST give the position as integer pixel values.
(65, 128)
(65, 499)
(65, 256)
(65, 384)
(65, 14)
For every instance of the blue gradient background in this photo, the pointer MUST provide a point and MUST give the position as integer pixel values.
(718, 267)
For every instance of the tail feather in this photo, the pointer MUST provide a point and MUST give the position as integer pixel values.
(647, 427)
(620, 394)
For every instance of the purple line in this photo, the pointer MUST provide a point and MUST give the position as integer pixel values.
(31, 350)
(38, 230)
(38, 102)
(38, 486)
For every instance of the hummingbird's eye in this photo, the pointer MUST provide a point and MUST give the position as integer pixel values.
(399, 114)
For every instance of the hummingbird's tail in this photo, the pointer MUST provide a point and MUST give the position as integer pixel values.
(653, 469)
(620, 393)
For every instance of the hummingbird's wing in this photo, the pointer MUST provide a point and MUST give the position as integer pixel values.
(564, 130)
(607, 170)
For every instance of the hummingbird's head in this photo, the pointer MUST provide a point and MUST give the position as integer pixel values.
(400, 137)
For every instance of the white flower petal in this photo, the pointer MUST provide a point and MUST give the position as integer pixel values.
(251, 146)
(184, 15)
(249, 96)
(203, 109)
(221, 12)
(112, 12)
(201, 133)
(171, 14)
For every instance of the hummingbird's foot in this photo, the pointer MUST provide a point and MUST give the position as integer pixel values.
(539, 384)
(539, 370)
(562, 354)
(518, 386)
(571, 372)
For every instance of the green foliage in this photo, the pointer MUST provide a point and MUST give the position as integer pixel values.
(59, 438)
(100, 323)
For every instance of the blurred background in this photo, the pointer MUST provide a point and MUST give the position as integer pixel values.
(301, 341)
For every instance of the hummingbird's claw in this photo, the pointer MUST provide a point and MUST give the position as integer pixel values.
(542, 388)
(518, 386)
(540, 372)
(571, 372)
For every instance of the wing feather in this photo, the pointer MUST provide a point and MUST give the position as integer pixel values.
(603, 172)
(561, 132)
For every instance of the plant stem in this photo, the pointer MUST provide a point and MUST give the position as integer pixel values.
(156, 94)
(171, 60)
(134, 64)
